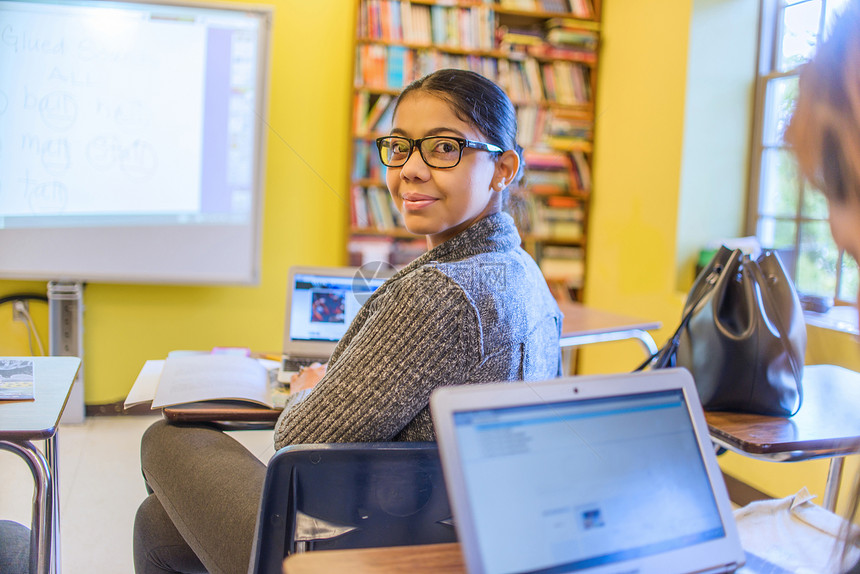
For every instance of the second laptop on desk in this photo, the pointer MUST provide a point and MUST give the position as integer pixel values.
(595, 474)
(321, 304)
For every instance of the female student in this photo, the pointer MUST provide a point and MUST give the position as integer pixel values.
(825, 136)
(473, 309)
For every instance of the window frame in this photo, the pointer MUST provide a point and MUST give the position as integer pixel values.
(771, 32)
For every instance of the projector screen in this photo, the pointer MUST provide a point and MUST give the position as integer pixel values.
(131, 141)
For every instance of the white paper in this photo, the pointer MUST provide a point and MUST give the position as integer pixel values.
(143, 390)
(193, 378)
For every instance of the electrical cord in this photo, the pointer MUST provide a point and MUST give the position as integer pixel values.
(32, 333)
(23, 297)
(31, 326)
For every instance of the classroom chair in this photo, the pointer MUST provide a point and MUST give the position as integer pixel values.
(357, 495)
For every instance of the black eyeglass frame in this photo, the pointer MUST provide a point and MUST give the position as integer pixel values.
(463, 143)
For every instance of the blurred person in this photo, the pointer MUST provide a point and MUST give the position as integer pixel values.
(824, 135)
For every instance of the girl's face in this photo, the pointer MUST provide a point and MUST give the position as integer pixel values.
(440, 203)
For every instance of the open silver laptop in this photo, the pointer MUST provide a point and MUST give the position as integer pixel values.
(321, 304)
(597, 474)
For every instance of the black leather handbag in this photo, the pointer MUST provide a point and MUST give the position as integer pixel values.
(742, 336)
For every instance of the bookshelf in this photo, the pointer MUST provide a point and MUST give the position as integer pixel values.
(544, 54)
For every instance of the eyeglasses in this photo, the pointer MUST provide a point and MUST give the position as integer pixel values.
(440, 152)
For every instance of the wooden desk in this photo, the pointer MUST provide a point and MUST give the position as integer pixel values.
(249, 415)
(435, 558)
(25, 421)
(827, 426)
(583, 325)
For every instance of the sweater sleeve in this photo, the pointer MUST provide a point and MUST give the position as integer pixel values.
(423, 333)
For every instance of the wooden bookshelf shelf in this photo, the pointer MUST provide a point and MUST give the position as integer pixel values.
(539, 16)
(369, 182)
(397, 232)
(548, 239)
(543, 53)
(448, 49)
(497, 54)
(376, 91)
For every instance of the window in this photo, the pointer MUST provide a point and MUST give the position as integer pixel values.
(787, 214)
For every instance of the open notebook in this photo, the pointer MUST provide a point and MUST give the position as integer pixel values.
(321, 304)
(587, 474)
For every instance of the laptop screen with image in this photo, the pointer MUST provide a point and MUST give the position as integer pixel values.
(323, 306)
(323, 302)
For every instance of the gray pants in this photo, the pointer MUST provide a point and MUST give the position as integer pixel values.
(202, 513)
(14, 548)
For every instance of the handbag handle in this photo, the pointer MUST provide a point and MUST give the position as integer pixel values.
(665, 355)
(783, 329)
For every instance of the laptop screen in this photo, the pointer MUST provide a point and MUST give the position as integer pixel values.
(322, 307)
(590, 482)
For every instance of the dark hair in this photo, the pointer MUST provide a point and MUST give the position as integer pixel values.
(477, 101)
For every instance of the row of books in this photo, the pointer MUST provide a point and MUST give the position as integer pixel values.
(366, 249)
(579, 8)
(365, 161)
(567, 82)
(539, 125)
(573, 166)
(385, 67)
(558, 39)
(372, 113)
(471, 28)
(563, 263)
(560, 81)
(554, 217)
(372, 208)
(393, 67)
(556, 32)
(572, 33)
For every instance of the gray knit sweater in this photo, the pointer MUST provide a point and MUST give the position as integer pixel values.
(474, 309)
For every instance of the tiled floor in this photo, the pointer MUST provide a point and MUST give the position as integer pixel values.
(100, 489)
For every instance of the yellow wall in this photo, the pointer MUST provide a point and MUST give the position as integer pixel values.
(637, 165)
(305, 211)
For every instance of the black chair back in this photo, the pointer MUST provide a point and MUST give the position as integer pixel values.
(361, 495)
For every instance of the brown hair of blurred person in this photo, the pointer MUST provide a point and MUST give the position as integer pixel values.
(824, 135)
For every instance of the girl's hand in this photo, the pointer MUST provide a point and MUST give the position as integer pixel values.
(307, 377)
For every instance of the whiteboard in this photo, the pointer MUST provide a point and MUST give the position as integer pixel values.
(131, 141)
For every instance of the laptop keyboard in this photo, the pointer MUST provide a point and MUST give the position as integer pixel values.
(293, 364)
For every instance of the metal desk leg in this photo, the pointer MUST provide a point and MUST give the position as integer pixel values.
(834, 479)
(572, 341)
(44, 501)
(647, 341)
(567, 360)
(643, 337)
(52, 450)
